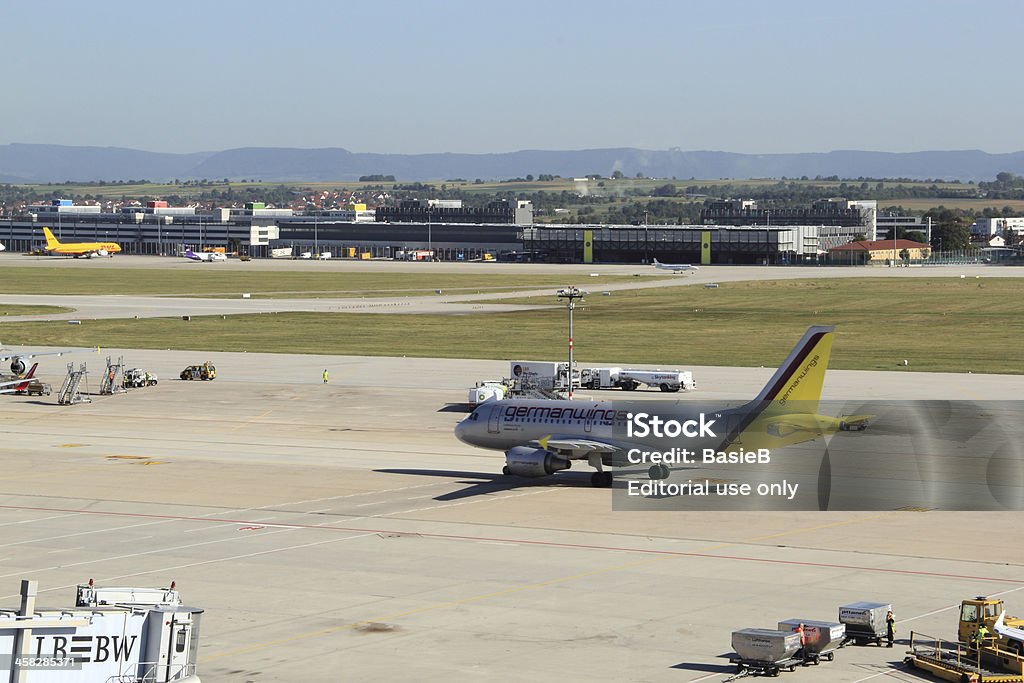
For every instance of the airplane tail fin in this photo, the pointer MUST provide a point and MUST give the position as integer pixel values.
(51, 241)
(802, 374)
(25, 380)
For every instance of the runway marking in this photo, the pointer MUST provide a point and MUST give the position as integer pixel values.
(33, 521)
(522, 541)
(658, 555)
(249, 421)
(429, 608)
(203, 562)
(478, 499)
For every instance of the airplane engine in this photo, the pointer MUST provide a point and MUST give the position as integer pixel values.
(18, 366)
(524, 461)
(101, 252)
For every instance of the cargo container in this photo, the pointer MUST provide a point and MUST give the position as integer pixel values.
(821, 638)
(865, 621)
(765, 651)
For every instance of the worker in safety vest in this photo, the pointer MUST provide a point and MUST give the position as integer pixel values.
(980, 636)
(803, 637)
(890, 627)
(325, 375)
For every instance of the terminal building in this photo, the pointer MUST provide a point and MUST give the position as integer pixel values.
(519, 212)
(839, 220)
(443, 229)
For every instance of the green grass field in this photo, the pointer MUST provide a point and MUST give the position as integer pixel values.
(938, 324)
(210, 282)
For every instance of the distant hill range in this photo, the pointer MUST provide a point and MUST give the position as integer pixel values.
(23, 163)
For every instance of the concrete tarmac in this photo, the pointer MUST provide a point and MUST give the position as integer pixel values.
(340, 532)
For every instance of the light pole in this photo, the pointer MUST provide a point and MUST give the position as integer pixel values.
(571, 294)
(430, 240)
(316, 239)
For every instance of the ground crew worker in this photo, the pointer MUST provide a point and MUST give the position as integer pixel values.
(890, 627)
(979, 637)
(325, 375)
(803, 638)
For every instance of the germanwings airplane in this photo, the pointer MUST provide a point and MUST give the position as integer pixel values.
(19, 384)
(541, 437)
(674, 267)
(207, 256)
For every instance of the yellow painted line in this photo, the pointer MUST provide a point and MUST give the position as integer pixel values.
(516, 589)
(127, 457)
(246, 423)
(831, 525)
(71, 445)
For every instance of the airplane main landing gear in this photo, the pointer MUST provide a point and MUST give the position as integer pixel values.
(601, 480)
(659, 471)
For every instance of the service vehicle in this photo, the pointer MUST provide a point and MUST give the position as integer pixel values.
(37, 387)
(541, 374)
(135, 378)
(994, 654)
(204, 372)
(486, 391)
(629, 379)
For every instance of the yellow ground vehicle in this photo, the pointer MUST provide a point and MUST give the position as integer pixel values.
(996, 657)
(206, 371)
(981, 610)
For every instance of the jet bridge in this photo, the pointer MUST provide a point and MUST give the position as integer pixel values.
(128, 635)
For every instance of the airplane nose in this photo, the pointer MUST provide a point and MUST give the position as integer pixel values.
(460, 431)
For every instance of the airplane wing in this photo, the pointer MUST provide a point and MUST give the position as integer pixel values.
(575, 448)
(8, 354)
(776, 431)
(18, 359)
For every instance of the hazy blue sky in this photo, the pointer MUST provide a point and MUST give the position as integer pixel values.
(478, 76)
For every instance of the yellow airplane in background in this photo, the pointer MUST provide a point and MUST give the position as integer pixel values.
(76, 249)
